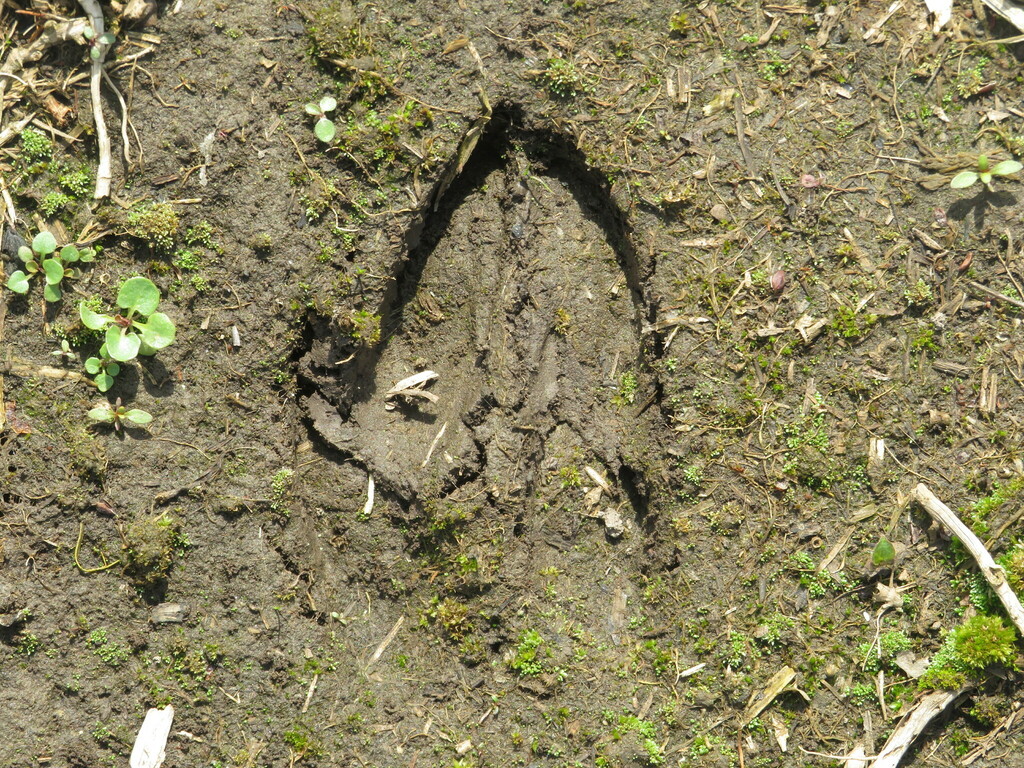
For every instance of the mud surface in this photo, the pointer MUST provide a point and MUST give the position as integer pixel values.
(693, 309)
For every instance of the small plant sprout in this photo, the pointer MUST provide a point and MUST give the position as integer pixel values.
(41, 259)
(103, 369)
(97, 44)
(324, 128)
(984, 173)
(64, 353)
(117, 414)
(141, 330)
(884, 553)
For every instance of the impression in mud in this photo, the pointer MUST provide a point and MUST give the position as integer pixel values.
(522, 293)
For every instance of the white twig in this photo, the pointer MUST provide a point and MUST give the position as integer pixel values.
(935, 703)
(368, 506)
(993, 573)
(103, 175)
(124, 118)
(433, 445)
(916, 720)
(386, 641)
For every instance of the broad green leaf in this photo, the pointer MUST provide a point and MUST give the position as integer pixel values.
(138, 417)
(985, 177)
(69, 253)
(93, 320)
(122, 346)
(884, 553)
(44, 244)
(87, 254)
(113, 369)
(92, 365)
(18, 282)
(157, 332)
(139, 294)
(328, 103)
(107, 38)
(982, 164)
(103, 382)
(963, 179)
(51, 292)
(312, 109)
(101, 413)
(1005, 168)
(324, 130)
(25, 254)
(54, 271)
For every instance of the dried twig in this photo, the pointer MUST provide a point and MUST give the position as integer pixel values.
(103, 174)
(985, 290)
(386, 641)
(934, 704)
(913, 723)
(993, 573)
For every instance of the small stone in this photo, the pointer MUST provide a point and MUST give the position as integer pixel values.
(614, 525)
(719, 212)
(169, 613)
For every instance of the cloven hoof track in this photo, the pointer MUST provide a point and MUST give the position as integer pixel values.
(522, 291)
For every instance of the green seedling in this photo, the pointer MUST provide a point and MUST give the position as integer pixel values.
(324, 128)
(984, 173)
(64, 353)
(103, 369)
(117, 414)
(141, 331)
(97, 44)
(884, 553)
(40, 260)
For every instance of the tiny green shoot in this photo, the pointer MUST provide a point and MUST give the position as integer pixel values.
(64, 353)
(117, 414)
(97, 44)
(984, 173)
(103, 369)
(324, 128)
(141, 330)
(884, 553)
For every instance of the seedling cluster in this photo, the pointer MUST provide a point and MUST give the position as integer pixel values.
(137, 330)
(140, 331)
(43, 260)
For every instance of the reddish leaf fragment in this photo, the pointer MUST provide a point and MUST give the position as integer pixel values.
(17, 424)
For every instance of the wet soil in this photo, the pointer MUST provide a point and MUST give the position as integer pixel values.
(668, 275)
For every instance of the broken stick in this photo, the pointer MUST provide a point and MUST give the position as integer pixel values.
(916, 720)
(993, 573)
(103, 174)
(935, 703)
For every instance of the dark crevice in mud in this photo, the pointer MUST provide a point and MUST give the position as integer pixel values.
(631, 483)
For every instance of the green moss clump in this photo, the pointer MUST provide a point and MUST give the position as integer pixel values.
(156, 223)
(149, 550)
(969, 650)
(1013, 563)
(335, 33)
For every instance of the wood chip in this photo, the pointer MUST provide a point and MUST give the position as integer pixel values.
(148, 751)
(779, 682)
(412, 386)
